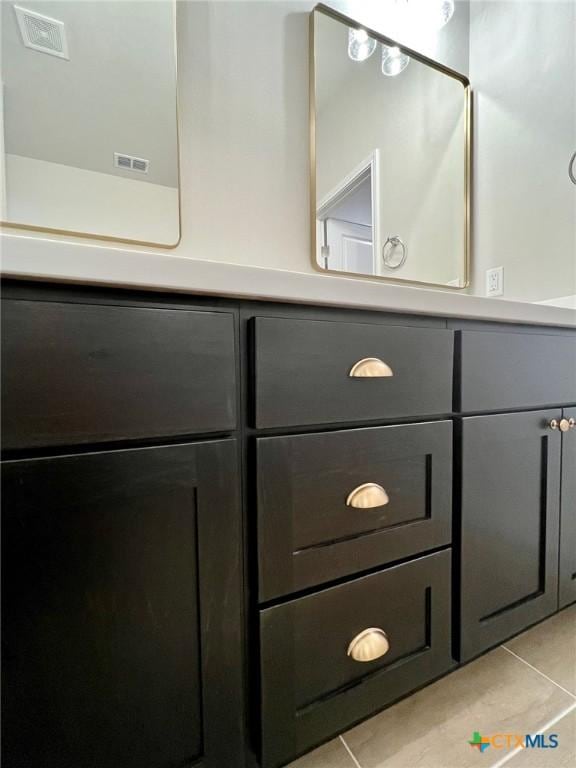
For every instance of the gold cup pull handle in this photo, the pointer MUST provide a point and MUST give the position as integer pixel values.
(370, 367)
(367, 496)
(368, 645)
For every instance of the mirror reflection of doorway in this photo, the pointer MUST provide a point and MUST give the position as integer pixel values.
(345, 222)
(348, 246)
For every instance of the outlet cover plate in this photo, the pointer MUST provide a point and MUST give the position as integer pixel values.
(495, 281)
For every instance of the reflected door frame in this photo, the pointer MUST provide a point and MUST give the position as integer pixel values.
(369, 166)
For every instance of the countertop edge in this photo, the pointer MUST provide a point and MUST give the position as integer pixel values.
(36, 258)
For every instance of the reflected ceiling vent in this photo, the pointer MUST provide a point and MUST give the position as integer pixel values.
(41, 33)
(129, 163)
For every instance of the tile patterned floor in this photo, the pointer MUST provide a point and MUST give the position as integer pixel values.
(527, 685)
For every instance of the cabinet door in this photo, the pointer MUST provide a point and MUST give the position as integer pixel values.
(509, 525)
(567, 586)
(121, 630)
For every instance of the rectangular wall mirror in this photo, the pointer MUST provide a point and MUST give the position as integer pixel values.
(391, 135)
(89, 119)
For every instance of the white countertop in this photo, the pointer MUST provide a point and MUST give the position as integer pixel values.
(89, 263)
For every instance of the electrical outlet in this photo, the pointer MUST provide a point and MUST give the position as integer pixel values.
(495, 281)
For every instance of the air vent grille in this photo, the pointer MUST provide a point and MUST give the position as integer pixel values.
(41, 33)
(130, 163)
(123, 162)
(139, 165)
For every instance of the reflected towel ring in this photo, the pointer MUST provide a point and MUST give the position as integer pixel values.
(571, 171)
(393, 246)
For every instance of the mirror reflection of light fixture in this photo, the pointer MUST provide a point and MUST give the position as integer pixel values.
(440, 12)
(432, 13)
(447, 11)
(360, 46)
(393, 60)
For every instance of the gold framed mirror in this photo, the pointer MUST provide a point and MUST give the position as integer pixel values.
(90, 119)
(391, 143)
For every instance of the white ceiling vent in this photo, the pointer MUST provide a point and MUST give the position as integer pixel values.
(41, 33)
(129, 163)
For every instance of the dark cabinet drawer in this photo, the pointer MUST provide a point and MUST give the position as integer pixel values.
(303, 367)
(337, 503)
(312, 687)
(500, 371)
(75, 373)
(509, 525)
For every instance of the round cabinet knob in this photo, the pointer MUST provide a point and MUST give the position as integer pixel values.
(369, 645)
(563, 425)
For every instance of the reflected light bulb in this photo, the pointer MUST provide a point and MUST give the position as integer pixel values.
(360, 46)
(393, 60)
(433, 13)
(444, 13)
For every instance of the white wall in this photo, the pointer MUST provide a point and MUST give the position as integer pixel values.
(62, 197)
(243, 70)
(523, 71)
(2, 158)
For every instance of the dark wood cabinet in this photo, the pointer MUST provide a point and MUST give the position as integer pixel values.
(312, 687)
(303, 367)
(508, 371)
(84, 373)
(146, 609)
(121, 609)
(509, 522)
(567, 574)
(314, 523)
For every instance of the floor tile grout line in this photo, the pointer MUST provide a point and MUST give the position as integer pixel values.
(543, 729)
(347, 748)
(572, 695)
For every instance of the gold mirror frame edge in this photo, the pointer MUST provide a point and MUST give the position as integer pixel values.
(468, 132)
(12, 225)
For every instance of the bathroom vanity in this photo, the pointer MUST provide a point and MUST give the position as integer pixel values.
(232, 529)
(260, 487)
